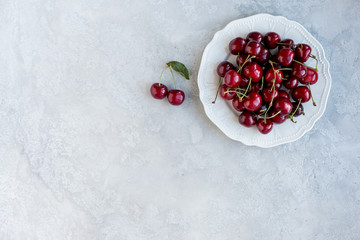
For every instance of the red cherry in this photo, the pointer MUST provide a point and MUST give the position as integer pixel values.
(232, 79)
(285, 57)
(247, 119)
(271, 39)
(240, 59)
(283, 94)
(158, 90)
(274, 73)
(302, 52)
(301, 92)
(237, 45)
(277, 85)
(291, 83)
(223, 67)
(176, 97)
(244, 82)
(311, 77)
(237, 104)
(263, 56)
(253, 71)
(225, 94)
(254, 36)
(264, 126)
(300, 109)
(255, 87)
(283, 105)
(278, 118)
(253, 101)
(253, 48)
(288, 43)
(299, 70)
(268, 95)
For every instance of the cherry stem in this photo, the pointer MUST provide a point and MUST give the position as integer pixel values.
(262, 83)
(317, 62)
(239, 94)
(293, 113)
(311, 95)
(286, 69)
(172, 74)
(162, 74)
(247, 89)
(263, 117)
(217, 92)
(315, 69)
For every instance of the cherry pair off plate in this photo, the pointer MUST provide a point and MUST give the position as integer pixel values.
(225, 116)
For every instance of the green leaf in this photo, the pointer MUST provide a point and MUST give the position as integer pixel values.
(180, 68)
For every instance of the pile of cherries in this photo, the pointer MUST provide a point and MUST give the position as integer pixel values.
(270, 80)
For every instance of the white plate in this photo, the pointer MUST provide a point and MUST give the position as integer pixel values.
(223, 114)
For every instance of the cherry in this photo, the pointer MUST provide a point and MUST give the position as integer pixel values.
(262, 109)
(286, 43)
(232, 79)
(247, 119)
(269, 95)
(237, 45)
(176, 97)
(291, 83)
(302, 52)
(300, 109)
(240, 59)
(226, 92)
(238, 104)
(244, 82)
(277, 85)
(277, 118)
(263, 56)
(283, 105)
(223, 67)
(311, 77)
(274, 73)
(158, 90)
(253, 71)
(254, 36)
(264, 125)
(255, 87)
(253, 101)
(283, 94)
(299, 70)
(285, 57)
(271, 39)
(301, 92)
(253, 48)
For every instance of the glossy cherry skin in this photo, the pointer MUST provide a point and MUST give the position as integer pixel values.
(299, 70)
(176, 97)
(283, 105)
(158, 90)
(237, 45)
(268, 95)
(301, 92)
(263, 56)
(232, 79)
(247, 119)
(274, 73)
(254, 36)
(283, 94)
(253, 102)
(311, 77)
(278, 119)
(253, 70)
(285, 57)
(255, 87)
(302, 52)
(237, 104)
(240, 59)
(277, 85)
(225, 94)
(288, 43)
(300, 109)
(264, 126)
(271, 39)
(223, 67)
(244, 82)
(291, 83)
(253, 48)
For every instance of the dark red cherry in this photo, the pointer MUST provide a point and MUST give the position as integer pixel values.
(302, 52)
(247, 119)
(286, 43)
(271, 39)
(311, 77)
(244, 82)
(176, 97)
(274, 74)
(237, 45)
(277, 85)
(264, 126)
(253, 48)
(253, 102)
(301, 92)
(225, 94)
(263, 56)
(254, 36)
(291, 83)
(278, 118)
(285, 57)
(238, 104)
(223, 67)
(268, 95)
(300, 109)
(255, 87)
(232, 79)
(253, 71)
(283, 94)
(283, 105)
(299, 70)
(240, 59)
(158, 90)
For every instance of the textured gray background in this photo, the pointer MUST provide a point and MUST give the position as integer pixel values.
(86, 153)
